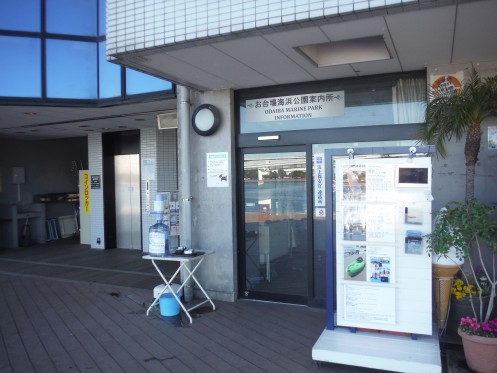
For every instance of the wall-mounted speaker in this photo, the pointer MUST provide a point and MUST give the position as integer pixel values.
(167, 121)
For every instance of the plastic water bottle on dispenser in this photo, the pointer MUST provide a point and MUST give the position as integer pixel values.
(158, 234)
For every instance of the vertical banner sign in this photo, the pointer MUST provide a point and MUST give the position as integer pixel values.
(86, 192)
(319, 189)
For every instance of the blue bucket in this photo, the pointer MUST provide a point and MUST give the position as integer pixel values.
(169, 306)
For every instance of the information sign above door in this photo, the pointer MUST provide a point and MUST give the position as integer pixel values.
(304, 106)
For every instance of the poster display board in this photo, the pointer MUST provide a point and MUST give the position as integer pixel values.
(171, 212)
(382, 212)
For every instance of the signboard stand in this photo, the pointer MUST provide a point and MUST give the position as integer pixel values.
(379, 285)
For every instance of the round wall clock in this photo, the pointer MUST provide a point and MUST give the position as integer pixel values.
(206, 119)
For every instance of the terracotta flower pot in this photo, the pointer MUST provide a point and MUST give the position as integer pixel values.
(480, 352)
(460, 308)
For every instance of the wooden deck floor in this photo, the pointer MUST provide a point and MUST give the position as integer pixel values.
(66, 308)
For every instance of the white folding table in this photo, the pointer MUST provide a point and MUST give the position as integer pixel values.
(183, 260)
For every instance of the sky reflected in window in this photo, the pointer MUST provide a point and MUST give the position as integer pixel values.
(109, 76)
(137, 82)
(20, 15)
(74, 17)
(71, 69)
(20, 68)
(76, 65)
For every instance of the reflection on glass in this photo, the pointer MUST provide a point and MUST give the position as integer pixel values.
(20, 15)
(275, 223)
(372, 102)
(109, 76)
(137, 82)
(75, 17)
(101, 17)
(20, 73)
(71, 69)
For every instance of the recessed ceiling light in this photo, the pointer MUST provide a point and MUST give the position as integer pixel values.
(30, 113)
(106, 128)
(342, 52)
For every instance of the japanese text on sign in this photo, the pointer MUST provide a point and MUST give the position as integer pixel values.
(316, 105)
(319, 190)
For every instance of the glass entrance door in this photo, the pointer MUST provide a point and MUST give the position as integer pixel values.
(275, 226)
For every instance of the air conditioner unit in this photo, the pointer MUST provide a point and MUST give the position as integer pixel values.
(167, 121)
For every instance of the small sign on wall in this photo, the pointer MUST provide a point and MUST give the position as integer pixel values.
(492, 137)
(217, 170)
(95, 181)
(86, 192)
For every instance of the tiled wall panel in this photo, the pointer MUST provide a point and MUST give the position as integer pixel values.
(161, 147)
(95, 167)
(138, 24)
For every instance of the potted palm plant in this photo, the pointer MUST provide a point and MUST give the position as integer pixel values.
(461, 113)
(467, 228)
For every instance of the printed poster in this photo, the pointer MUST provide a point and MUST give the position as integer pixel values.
(354, 222)
(380, 223)
(354, 182)
(217, 170)
(369, 304)
(381, 264)
(354, 259)
(381, 182)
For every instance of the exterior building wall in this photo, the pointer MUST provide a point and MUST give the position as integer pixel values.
(95, 167)
(214, 208)
(148, 151)
(138, 24)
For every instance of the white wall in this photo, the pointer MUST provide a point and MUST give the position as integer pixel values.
(95, 167)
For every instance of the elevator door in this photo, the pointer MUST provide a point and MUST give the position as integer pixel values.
(127, 184)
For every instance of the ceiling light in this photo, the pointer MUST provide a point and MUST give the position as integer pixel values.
(346, 51)
(30, 113)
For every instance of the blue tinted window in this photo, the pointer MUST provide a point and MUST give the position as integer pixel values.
(109, 76)
(71, 69)
(20, 15)
(74, 17)
(20, 67)
(137, 82)
(101, 17)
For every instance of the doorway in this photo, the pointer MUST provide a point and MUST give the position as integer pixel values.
(127, 185)
(275, 249)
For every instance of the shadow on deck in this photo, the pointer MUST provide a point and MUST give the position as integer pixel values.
(67, 308)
